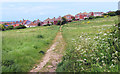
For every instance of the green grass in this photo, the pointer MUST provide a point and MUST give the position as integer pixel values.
(21, 48)
(90, 46)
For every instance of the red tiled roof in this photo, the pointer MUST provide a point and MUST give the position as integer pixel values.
(48, 19)
(32, 24)
(69, 15)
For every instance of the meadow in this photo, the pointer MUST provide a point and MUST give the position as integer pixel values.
(91, 46)
(23, 48)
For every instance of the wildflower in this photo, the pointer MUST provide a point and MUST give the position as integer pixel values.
(102, 56)
(101, 53)
(82, 68)
(102, 61)
(100, 33)
(100, 66)
(104, 64)
(97, 59)
(116, 52)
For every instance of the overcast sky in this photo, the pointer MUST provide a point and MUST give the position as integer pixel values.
(13, 11)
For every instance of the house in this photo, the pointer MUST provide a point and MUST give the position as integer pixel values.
(97, 14)
(53, 20)
(59, 18)
(16, 25)
(91, 13)
(37, 22)
(82, 16)
(47, 21)
(32, 24)
(25, 22)
(69, 17)
(79, 16)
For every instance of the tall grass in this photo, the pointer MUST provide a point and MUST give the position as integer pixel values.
(91, 47)
(21, 49)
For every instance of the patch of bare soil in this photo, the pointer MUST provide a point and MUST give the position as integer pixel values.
(52, 57)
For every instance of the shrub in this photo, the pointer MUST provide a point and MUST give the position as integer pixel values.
(99, 17)
(48, 24)
(91, 17)
(73, 18)
(58, 22)
(2, 27)
(63, 20)
(20, 27)
(112, 13)
(39, 24)
(52, 23)
(40, 36)
(10, 27)
(86, 18)
(117, 12)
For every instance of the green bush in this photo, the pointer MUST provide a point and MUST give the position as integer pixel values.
(52, 23)
(91, 17)
(58, 22)
(99, 17)
(10, 27)
(39, 24)
(2, 27)
(63, 20)
(73, 18)
(20, 27)
(117, 12)
(112, 13)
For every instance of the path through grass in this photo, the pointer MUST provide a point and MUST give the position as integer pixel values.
(52, 57)
(22, 49)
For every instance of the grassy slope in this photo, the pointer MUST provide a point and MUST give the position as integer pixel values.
(79, 36)
(21, 47)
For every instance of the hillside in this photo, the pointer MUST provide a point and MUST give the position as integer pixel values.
(23, 48)
(91, 46)
(78, 46)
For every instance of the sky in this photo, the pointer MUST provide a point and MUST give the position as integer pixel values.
(14, 11)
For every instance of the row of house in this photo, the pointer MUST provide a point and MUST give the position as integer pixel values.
(69, 17)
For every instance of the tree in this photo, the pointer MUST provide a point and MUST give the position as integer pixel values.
(2, 27)
(4, 24)
(117, 12)
(58, 22)
(39, 24)
(63, 20)
(52, 23)
(73, 18)
(91, 17)
(20, 27)
(10, 27)
(112, 13)
(48, 24)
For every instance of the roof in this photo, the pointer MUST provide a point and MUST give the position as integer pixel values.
(79, 14)
(48, 19)
(85, 13)
(98, 12)
(59, 18)
(68, 15)
(32, 24)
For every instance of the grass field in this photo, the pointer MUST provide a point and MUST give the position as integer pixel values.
(91, 46)
(22, 49)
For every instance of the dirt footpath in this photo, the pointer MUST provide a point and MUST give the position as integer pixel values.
(53, 56)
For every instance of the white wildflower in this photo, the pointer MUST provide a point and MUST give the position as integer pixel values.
(105, 34)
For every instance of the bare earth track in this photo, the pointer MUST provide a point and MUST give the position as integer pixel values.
(52, 57)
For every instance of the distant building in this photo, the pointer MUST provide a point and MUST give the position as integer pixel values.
(69, 17)
(47, 21)
(97, 14)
